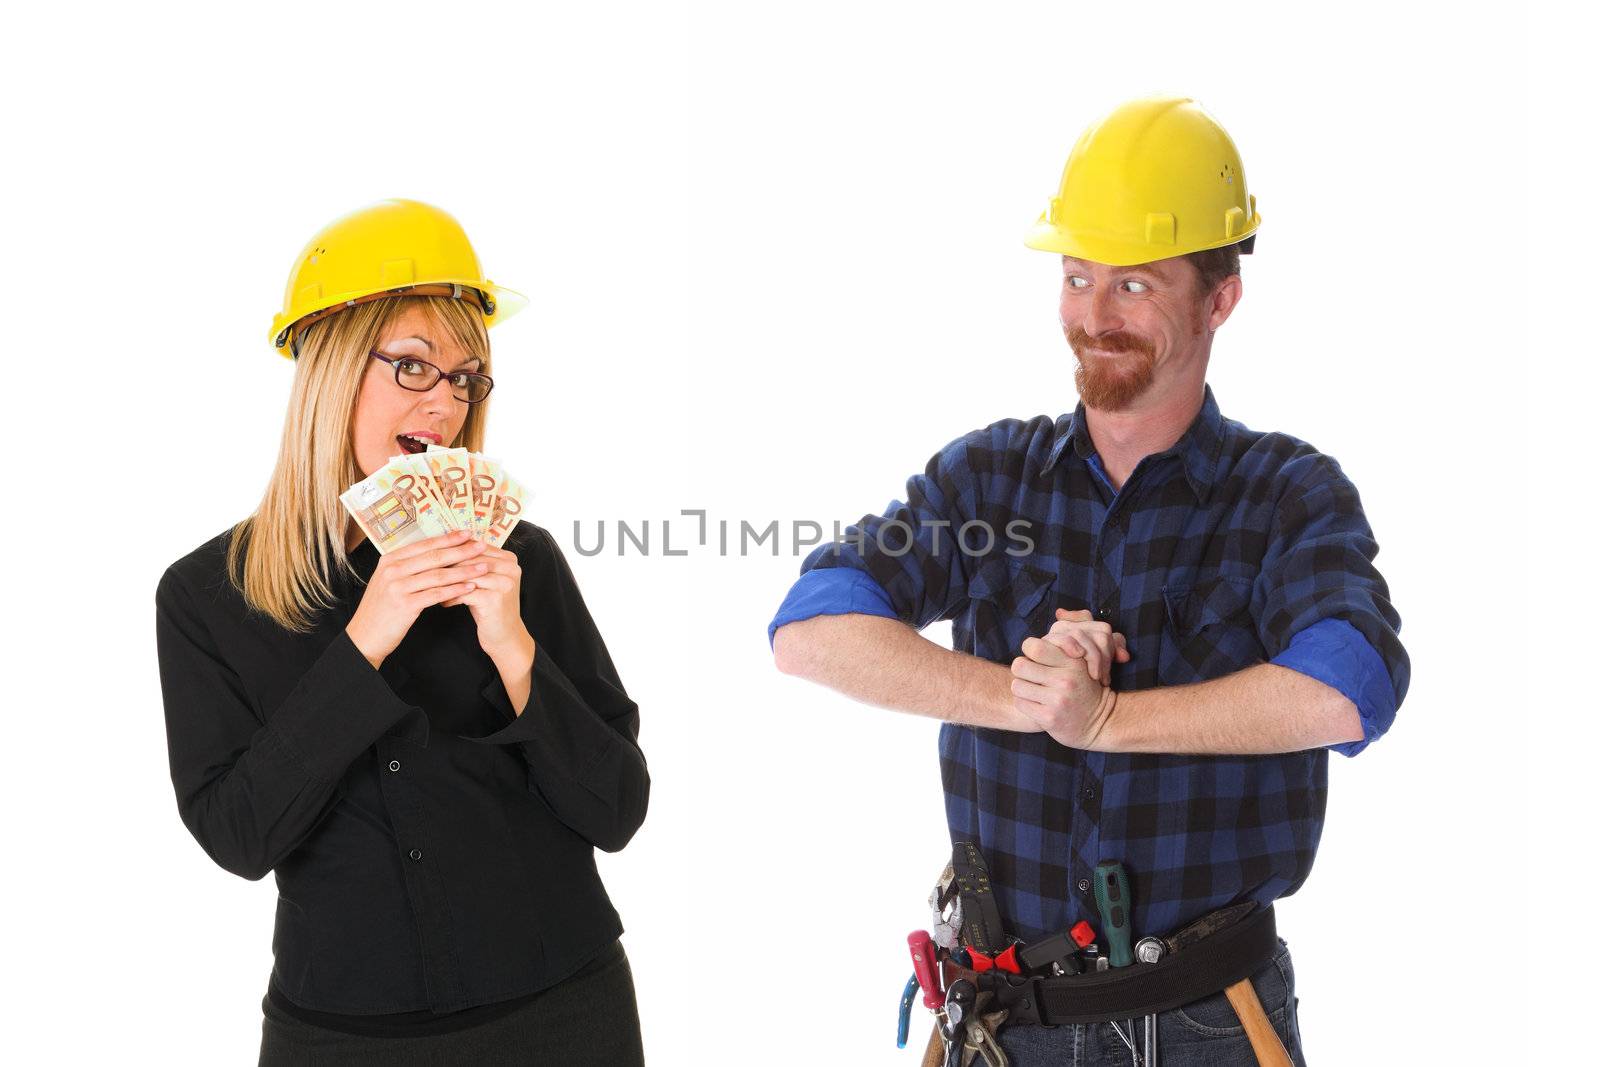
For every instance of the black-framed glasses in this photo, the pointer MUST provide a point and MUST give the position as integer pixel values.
(419, 376)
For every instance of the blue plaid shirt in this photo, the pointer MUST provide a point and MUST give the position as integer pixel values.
(1233, 547)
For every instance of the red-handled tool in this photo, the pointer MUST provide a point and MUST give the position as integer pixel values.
(1005, 961)
(925, 963)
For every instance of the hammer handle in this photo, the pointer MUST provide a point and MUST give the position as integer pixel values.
(1264, 1040)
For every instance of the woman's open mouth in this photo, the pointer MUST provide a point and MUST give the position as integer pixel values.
(411, 446)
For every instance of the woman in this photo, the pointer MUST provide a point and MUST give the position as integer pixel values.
(425, 747)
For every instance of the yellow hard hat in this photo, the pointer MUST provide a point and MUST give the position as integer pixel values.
(391, 248)
(1157, 177)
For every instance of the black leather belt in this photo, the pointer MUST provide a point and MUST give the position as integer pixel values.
(1208, 966)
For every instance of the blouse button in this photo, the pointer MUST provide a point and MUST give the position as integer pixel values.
(416, 853)
(394, 765)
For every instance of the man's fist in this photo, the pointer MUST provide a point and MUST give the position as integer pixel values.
(1062, 680)
(1078, 635)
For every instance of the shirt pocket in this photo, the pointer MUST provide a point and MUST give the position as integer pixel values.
(1010, 599)
(1209, 631)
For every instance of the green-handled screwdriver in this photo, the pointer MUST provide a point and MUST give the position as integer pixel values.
(1115, 902)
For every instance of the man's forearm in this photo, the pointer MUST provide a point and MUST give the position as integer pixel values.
(1261, 709)
(886, 663)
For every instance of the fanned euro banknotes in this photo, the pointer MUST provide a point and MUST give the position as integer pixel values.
(415, 497)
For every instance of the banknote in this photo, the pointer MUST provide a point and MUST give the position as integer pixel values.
(451, 475)
(482, 490)
(415, 497)
(494, 500)
(507, 510)
(396, 507)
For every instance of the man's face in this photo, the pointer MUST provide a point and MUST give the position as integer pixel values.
(1130, 327)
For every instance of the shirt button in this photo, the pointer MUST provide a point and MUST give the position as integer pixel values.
(394, 765)
(1083, 885)
(1088, 793)
(416, 854)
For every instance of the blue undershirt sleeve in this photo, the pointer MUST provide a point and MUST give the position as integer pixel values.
(1336, 654)
(831, 591)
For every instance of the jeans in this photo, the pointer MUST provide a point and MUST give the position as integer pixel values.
(1204, 1033)
(589, 1020)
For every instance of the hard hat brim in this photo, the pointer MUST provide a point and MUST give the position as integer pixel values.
(507, 302)
(1114, 253)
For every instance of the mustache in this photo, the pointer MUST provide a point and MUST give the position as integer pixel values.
(1111, 342)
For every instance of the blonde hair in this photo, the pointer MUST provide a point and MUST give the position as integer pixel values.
(282, 558)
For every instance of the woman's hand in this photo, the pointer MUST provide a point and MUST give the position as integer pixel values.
(408, 580)
(496, 602)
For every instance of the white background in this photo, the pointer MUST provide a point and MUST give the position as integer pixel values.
(775, 260)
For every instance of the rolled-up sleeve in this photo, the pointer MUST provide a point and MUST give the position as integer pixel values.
(1319, 569)
(904, 563)
(251, 791)
(832, 591)
(579, 730)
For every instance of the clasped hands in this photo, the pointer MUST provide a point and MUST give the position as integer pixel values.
(1062, 681)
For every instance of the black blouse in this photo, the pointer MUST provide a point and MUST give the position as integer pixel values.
(433, 850)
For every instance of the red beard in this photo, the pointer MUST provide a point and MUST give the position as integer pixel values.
(1111, 382)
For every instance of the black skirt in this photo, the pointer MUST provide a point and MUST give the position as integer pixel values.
(591, 1018)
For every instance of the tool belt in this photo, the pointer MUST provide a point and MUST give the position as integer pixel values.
(1209, 966)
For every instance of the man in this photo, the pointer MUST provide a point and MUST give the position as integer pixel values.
(1162, 619)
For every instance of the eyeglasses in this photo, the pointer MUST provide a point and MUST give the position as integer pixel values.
(419, 376)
